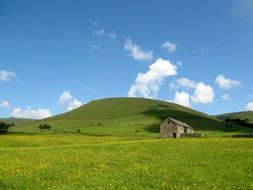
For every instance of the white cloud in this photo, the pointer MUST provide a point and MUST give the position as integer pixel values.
(169, 46)
(73, 104)
(182, 83)
(185, 82)
(201, 51)
(31, 113)
(67, 99)
(225, 97)
(249, 106)
(64, 97)
(226, 83)
(203, 94)
(148, 84)
(182, 98)
(98, 31)
(99, 34)
(6, 75)
(136, 51)
(5, 104)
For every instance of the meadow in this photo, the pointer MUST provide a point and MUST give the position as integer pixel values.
(72, 161)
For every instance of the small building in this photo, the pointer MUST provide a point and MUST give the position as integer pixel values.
(172, 128)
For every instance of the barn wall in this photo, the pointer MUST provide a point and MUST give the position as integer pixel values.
(163, 129)
(180, 129)
(167, 129)
(189, 130)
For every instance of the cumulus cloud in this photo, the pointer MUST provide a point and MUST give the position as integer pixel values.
(137, 52)
(225, 97)
(185, 82)
(5, 104)
(203, 94)
(64, 97)
(148, 84)
(249, 106)
(6, 75)
(67, 99)
(31, 113)
(226, 83)
(73, 104)
(182, 98)
(169, 46)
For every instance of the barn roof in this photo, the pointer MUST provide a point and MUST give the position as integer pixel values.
(179, 122)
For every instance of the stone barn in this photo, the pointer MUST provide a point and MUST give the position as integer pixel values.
(173, 128)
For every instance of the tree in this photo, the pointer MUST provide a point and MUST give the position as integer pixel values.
(227, 127)
(4, 127)
(44, 126)
(238, 121)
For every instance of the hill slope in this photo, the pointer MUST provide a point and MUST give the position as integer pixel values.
(15, 120)
(125, 116)
(237, 115)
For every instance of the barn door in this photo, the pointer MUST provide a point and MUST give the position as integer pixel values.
(174, 135)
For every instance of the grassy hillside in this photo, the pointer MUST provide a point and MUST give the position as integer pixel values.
(126, 117)
(15, 120)
(237, 115)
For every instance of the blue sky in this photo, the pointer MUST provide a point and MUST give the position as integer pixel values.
(58, 55)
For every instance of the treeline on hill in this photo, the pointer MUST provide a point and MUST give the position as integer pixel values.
(4, 127)
(242, 122)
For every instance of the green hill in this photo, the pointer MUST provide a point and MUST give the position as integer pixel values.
(126, 117)
(237, 115)
(15, 120)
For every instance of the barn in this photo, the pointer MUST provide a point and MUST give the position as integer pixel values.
(173, 128)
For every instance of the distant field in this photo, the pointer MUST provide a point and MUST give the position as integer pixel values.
(83, 162)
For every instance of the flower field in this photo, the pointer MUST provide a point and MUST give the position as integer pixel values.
(53, 161)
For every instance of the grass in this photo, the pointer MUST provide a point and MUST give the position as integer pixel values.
(129, 117)
(112, 144)
(55, 161)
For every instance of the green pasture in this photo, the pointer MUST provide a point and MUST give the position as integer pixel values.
(69, 161)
